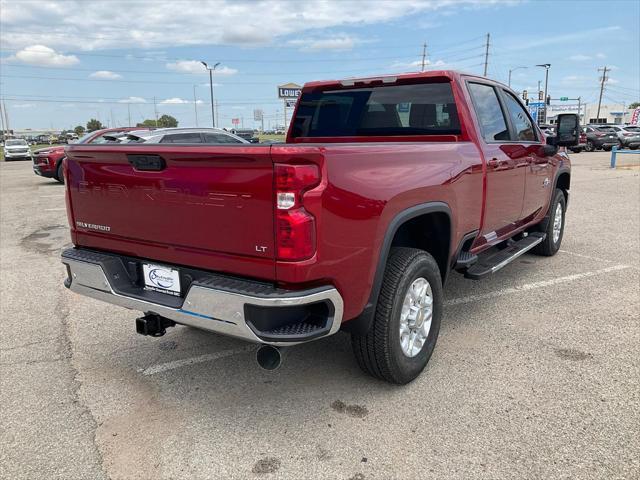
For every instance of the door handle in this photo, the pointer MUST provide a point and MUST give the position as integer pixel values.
(493, 163)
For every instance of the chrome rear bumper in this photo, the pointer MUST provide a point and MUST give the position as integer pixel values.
(205, 306)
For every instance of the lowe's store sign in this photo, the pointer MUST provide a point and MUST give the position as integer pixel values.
(289, 90)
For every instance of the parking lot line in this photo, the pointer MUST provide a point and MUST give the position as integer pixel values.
(535, 285)
(184, 362)
(163, 367)
(57, 195)
(54, 209)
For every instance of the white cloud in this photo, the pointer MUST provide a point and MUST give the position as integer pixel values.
(579, 58)
(574, 36)
(105, 75)
(600, 55)
(132, 100)
(337, 42)
(174, 101)
(416, 65)
(613, 81)
(23, 105)
(196, 67)
(167, 23)
(41, 55)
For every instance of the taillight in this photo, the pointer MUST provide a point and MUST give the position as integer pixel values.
(295, 227)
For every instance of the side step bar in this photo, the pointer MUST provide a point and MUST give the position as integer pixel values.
(495, 262)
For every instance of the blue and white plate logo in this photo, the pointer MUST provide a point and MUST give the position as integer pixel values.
(161, 278)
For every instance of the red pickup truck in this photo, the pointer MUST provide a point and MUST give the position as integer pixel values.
(384, 186)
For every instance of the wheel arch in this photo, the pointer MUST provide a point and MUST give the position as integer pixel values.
(405, 230)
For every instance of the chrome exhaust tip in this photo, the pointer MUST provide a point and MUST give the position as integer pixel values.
(269, 357)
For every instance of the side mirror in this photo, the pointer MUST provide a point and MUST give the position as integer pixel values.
(567, 130)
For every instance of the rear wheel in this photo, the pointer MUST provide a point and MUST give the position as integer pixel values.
(589, 147)
(407, 319)
(554, 228)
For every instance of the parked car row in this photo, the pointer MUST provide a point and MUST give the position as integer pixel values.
(605, 137)
(47, 162)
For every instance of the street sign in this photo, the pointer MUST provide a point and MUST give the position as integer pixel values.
(564, 99)
(257, 114)
(536, 104)
(289, 90)
(290, 103)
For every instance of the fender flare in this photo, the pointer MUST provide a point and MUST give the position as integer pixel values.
(362, 323)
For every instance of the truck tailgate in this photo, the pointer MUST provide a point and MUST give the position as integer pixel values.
(184, 203)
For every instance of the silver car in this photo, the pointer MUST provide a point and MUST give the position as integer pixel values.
(184, 135)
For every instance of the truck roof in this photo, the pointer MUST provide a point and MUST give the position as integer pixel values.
(391, 78)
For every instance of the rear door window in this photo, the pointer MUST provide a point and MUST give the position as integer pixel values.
(490, 115)
(192, 137)
(219, 138)
(395, 110)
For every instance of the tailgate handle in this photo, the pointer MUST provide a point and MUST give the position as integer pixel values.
(147, 162)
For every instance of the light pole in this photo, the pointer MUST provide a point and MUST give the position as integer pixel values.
(211, 70)
(546, 85)
(513, 70)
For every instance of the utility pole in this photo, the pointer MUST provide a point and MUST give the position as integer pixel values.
(486, 55)
(155, 110)
(1, 120)
(579, 108)
(113, 123)
(424, 55)
(195, 104)
(6, 116)
(602, 81)
(129, 113)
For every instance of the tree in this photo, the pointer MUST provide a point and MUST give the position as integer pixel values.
(94, 124)
(634, 105)
(165, 121)
(79, 130)
(146, 123)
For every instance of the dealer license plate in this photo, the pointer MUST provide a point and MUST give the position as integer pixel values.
(161, 279)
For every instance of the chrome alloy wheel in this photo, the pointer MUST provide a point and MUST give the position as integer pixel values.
(415, 317)
(557, 223)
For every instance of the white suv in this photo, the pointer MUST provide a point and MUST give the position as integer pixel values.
(16, 148)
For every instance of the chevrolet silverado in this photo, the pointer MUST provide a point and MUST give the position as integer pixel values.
(383, 188)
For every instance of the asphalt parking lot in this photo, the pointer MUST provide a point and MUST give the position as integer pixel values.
(536, 373)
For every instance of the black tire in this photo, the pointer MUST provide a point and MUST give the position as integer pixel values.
(548, 247)
(589, 147)
(379, 352)
(60, 172)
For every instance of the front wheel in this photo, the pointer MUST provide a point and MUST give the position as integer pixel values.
(60, 172)
(554, 226)
(407, 319)
(589, 147)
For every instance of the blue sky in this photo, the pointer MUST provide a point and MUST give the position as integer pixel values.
(67, 61)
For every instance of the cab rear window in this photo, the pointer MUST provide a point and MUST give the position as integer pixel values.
(395, 110)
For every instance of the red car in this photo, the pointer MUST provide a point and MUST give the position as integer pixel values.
(47, 162)
(384, 187)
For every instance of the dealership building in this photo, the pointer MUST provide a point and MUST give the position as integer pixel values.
(615, 113)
